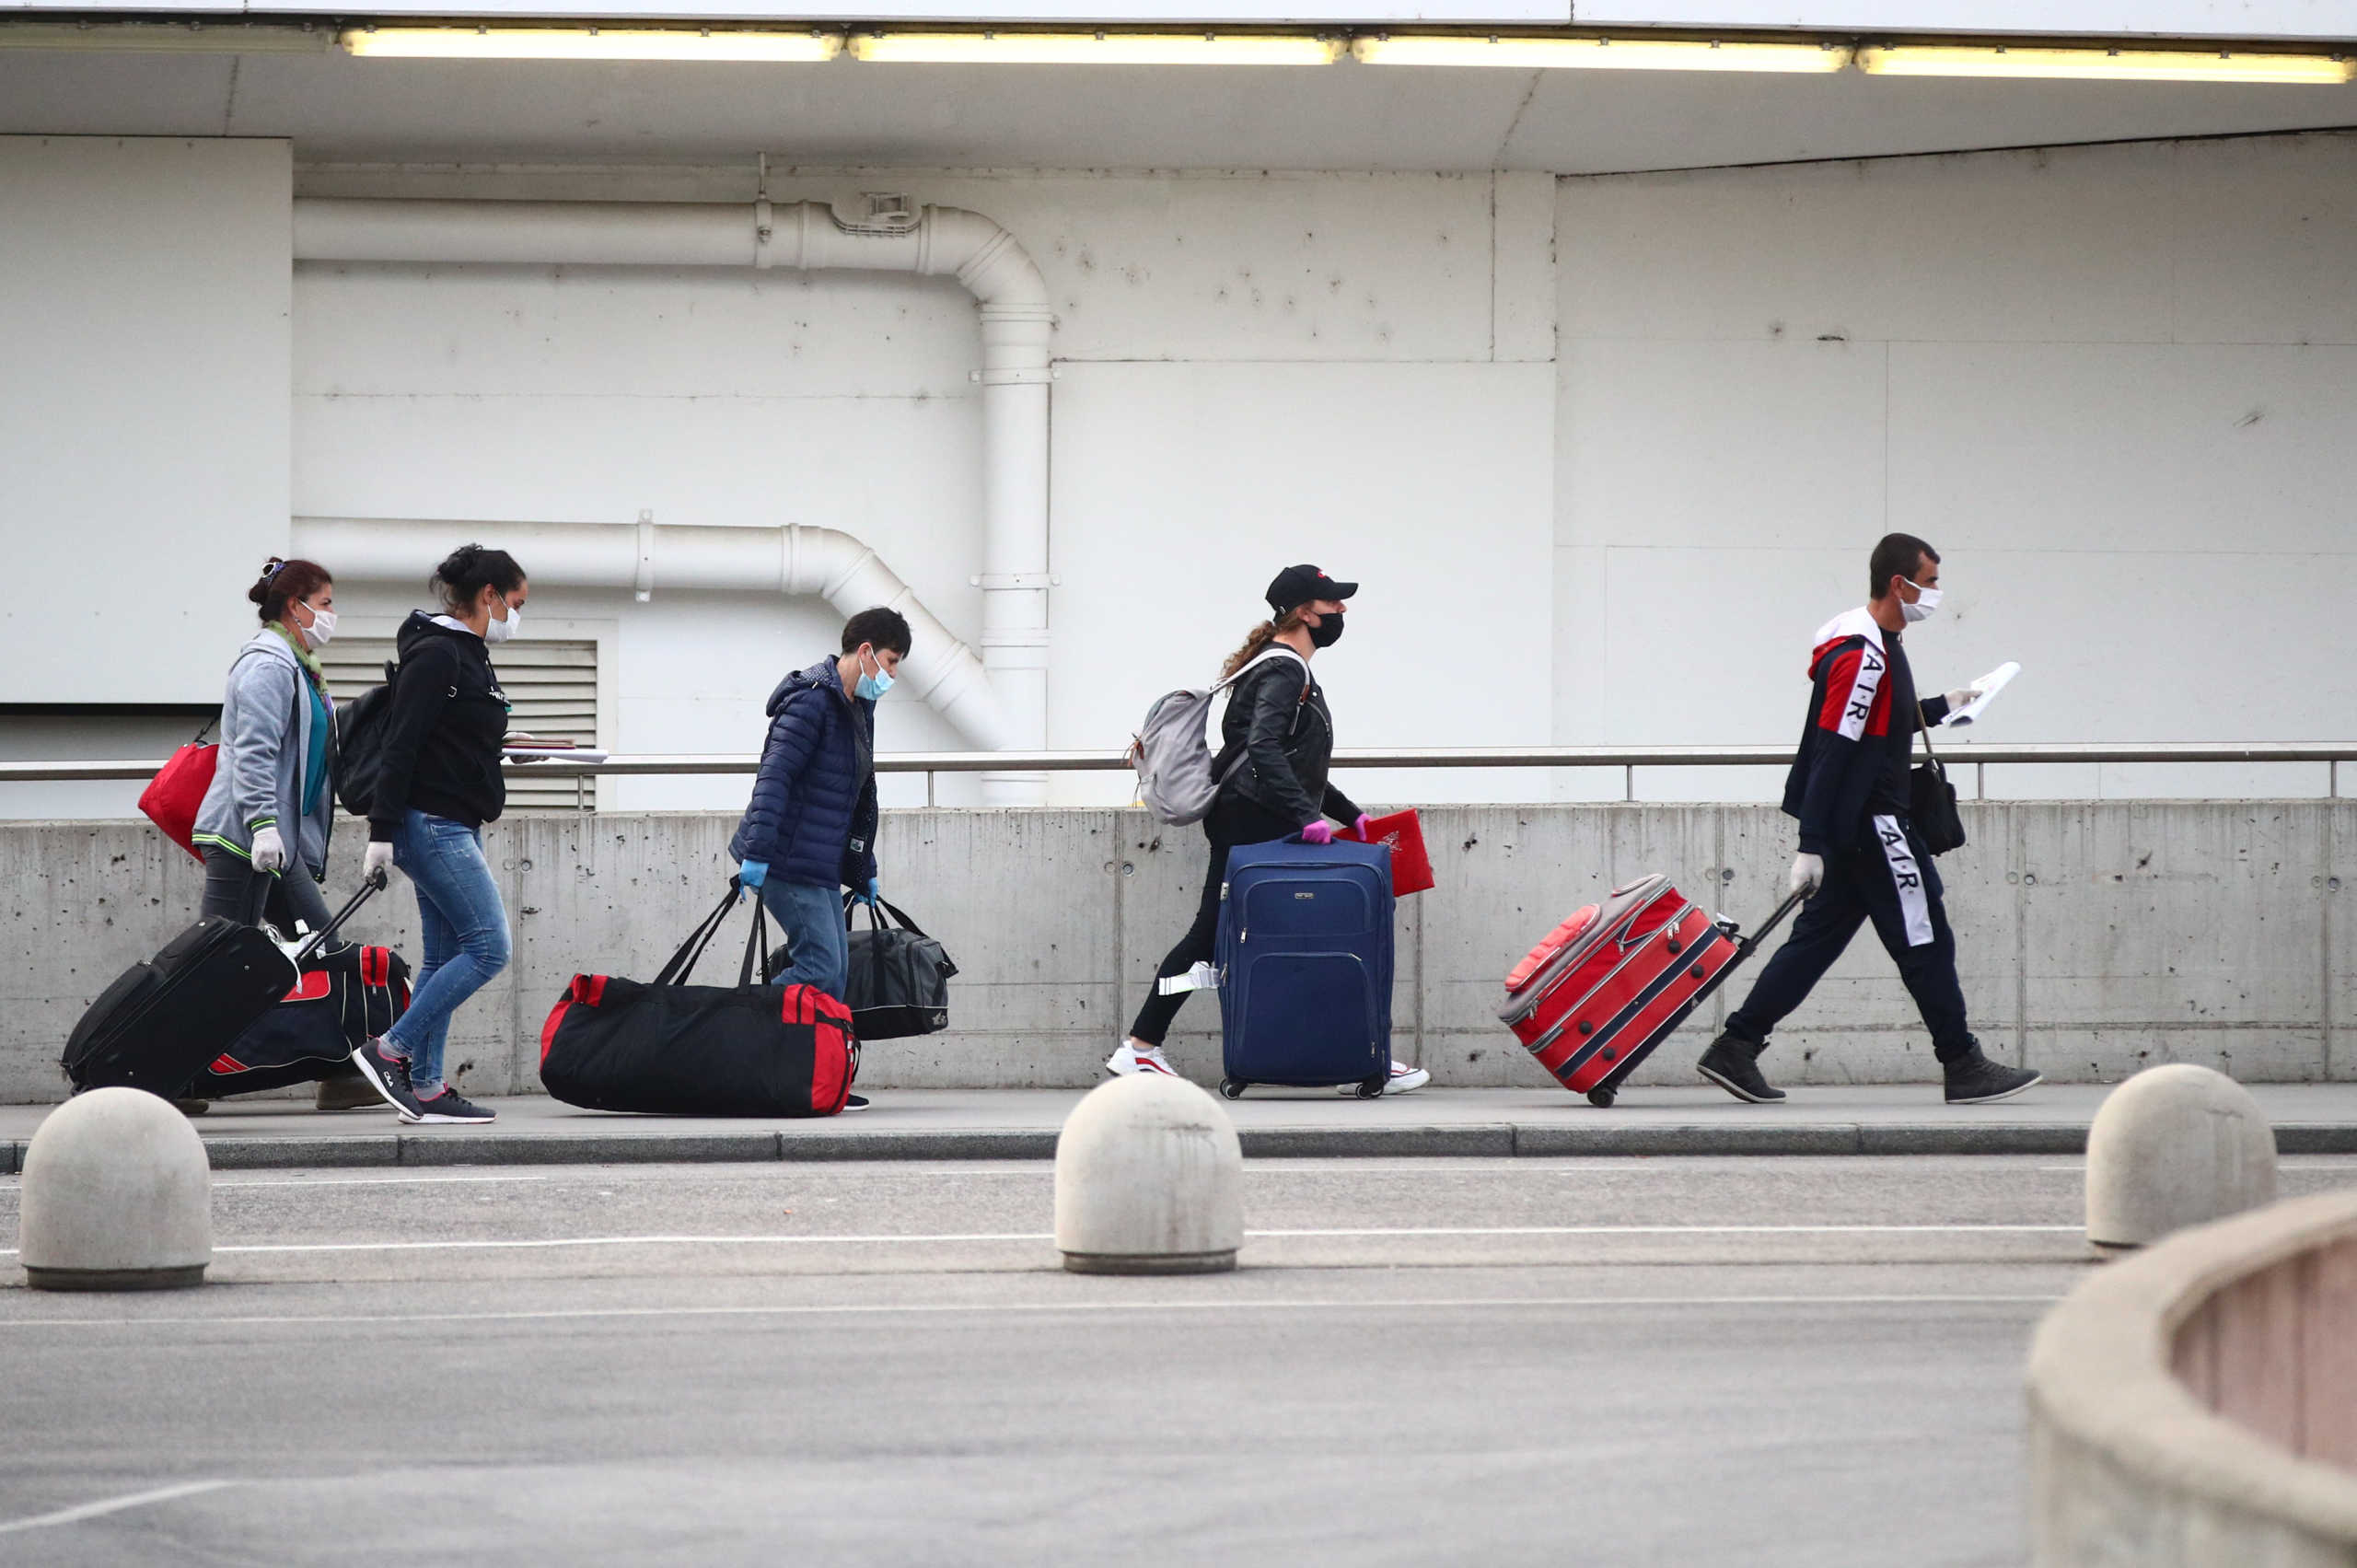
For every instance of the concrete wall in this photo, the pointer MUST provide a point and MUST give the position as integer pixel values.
(2096, 939)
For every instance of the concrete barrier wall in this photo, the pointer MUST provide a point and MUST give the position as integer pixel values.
(2096, 939)
(2191, 1406)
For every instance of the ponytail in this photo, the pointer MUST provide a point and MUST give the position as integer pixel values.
(1257, 641)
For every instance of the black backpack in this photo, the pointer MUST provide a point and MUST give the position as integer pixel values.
(360, 743)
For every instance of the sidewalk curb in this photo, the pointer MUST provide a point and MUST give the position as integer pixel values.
(1481, 1141)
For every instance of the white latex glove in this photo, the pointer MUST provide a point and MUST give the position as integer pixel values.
(270, 850)
(1808, 873)
(377, 861)
(1962, 696)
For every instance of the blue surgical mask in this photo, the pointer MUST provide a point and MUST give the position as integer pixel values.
(872, 687)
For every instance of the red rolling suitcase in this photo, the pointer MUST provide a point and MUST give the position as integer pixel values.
(1609, 984)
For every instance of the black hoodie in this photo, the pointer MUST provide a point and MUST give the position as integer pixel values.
(442, 732)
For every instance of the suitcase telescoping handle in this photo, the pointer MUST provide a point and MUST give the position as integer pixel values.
(1744, 945)
(321, 938)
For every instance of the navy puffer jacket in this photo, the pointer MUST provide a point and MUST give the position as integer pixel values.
(813, 813)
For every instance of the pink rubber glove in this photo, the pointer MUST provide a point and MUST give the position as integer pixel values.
(1360, 827)
(1318, 832)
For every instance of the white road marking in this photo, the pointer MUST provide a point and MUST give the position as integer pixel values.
(299, 1183)
(1124, 1306)
(528, 1242)
(113, 1505)
(302, 1183)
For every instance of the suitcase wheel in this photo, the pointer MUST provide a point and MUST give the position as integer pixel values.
(1601, 1097)
(1371, 1088)
(1232, 1088)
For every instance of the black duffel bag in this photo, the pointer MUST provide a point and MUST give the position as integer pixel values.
(345, 995)
(673, 1049)
(898, 978)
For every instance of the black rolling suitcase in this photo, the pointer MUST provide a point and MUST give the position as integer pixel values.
(159, 1024)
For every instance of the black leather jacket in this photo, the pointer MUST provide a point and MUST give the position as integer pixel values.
(1278, 720)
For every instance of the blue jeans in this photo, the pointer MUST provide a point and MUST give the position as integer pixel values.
(811, 920)
(466, 937)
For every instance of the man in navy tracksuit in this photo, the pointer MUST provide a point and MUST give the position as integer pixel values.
(1860, 859)
(810, 830)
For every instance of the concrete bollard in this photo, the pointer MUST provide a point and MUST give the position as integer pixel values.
(1149, 1180)
(117, 1195)
(2175, 1147)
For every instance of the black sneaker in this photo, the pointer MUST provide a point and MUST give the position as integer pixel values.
(449, 1106)
(1733, 1063)
(389, 1075)
(855, 1102)
(1973, 1079)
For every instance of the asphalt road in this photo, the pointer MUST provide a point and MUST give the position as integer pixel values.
(1623, 1361)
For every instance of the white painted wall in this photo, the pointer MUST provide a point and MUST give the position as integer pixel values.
(1256, 370)
(2114, 385)
(144, 359)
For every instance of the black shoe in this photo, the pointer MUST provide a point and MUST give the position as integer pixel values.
(1733, 1063)
(1973, 1079)
(855, 1102)
(451, 1106)
(389, 1075)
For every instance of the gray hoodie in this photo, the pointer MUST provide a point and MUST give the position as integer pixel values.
(265, 735)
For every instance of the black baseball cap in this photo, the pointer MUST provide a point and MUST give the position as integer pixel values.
(1299, 584)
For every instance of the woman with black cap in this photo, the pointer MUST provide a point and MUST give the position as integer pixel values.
(1278, 725)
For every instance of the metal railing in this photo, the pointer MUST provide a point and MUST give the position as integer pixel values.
(1628, 759)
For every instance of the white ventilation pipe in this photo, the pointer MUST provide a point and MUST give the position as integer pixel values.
(940, 670)
(1018, 328)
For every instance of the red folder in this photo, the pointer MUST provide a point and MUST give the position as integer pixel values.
(1411, 867)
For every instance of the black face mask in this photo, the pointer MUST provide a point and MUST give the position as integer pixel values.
(1327, 632)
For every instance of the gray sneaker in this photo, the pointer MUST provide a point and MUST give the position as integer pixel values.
(389, 1075)
(449, 1106)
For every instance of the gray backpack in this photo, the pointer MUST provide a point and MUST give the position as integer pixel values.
(1172, 759)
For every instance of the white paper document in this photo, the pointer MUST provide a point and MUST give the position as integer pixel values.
(1985, 688)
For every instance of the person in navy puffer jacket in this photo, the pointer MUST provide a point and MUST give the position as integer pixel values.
(810, 827)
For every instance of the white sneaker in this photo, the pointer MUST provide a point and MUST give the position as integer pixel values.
(1127, 1058)
(1405, 1080)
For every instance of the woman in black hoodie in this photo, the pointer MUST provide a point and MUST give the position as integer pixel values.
(1279, 737)
(439, 781)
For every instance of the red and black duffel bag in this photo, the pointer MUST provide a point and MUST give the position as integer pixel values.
(343, 996)
(672, 1048)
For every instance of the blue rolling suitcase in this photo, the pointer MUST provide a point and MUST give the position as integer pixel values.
(1304, 965)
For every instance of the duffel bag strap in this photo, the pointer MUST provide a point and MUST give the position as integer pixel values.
(675, 970)
(876, 922)
(747, 974)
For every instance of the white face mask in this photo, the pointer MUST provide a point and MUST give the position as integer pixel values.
(320, 630)
(1923, 606)
(499, 631)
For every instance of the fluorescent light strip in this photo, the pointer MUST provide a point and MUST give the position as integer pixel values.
(1597, 53)
(591, 43)
(163, 38)
(2100, 64)
(1094, 48)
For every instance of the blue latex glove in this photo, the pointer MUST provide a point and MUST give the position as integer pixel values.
(872, 897)
(1318, 832)
(752, 873)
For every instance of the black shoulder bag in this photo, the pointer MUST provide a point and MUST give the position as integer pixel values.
(1930, 799)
